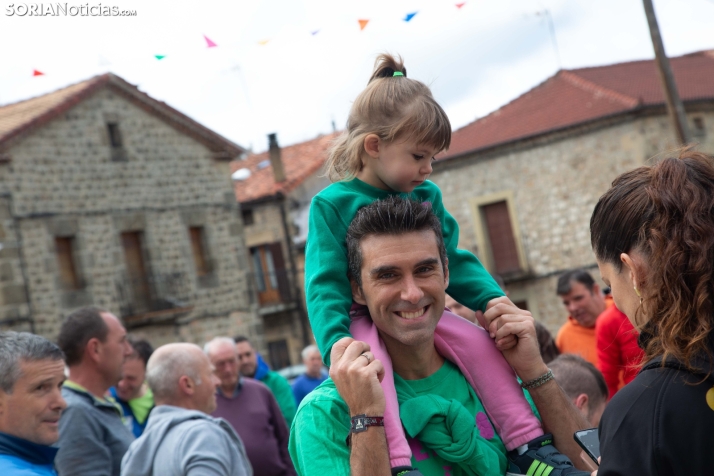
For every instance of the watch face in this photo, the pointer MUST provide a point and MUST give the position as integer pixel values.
(359, 424)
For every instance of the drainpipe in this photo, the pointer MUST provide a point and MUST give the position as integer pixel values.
(279, 175)
(23, 269)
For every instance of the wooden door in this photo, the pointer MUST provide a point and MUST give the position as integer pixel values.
(138, 282)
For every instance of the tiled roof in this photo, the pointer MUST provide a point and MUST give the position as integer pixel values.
(577, 96)
(299, 162)
(21, 118)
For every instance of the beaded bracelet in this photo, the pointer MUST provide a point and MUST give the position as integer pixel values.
(537, 382)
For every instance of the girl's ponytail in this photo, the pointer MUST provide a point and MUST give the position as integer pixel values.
(386, 65)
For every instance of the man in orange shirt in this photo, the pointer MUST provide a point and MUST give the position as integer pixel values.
(584, 301)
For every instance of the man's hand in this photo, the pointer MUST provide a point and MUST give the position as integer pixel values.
(513, 329)
(357, 374)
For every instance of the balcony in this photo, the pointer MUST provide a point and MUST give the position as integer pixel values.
(274, 291)
(153, 299)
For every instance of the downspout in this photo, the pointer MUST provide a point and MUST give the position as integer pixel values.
(293, 273)
(23, 269)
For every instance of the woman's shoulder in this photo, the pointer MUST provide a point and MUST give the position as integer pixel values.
(650, 423)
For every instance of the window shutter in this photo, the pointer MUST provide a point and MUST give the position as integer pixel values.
(276, 250)
(500, 235)
(69, 280)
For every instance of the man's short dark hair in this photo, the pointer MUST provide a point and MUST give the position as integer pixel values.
(565, 281)
(239, 339)
(80, 326)
(392, 216)
(18, 347)
(576, 375)
(142, 349)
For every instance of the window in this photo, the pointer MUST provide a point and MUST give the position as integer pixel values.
(279, 355)
(198, 247)
(248, 217)
(699, 129)
(497, 234)
(271, 277)
(69, 279)
(114, 135)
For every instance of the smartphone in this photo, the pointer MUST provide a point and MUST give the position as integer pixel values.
(589, 440)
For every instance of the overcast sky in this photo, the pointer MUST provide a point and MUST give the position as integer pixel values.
(476, 58)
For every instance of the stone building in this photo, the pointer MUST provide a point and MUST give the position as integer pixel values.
(112, 198)
(274, 189)
(522, 181)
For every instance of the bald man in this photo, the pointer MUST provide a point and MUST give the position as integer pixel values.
(181, 438)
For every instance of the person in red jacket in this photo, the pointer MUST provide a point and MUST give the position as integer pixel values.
(618, 354)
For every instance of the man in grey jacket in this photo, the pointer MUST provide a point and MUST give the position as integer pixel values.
(181, 438)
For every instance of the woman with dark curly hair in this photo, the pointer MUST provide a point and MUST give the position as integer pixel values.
(653, 238)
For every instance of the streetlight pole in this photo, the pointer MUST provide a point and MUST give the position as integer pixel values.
(675, 108)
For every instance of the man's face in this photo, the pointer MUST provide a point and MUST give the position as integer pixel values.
(114, 350)
(313, 364)
(403, 285)
(133, 374)
(247, 360)
(225, 362)
(205, 394)
(32, 411)
(584, 305)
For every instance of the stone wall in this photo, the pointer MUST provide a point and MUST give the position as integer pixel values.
(63, 180)
(555, 183)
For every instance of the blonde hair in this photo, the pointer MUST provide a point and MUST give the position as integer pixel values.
(392, 107)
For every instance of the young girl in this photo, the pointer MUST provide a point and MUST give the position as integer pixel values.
(394, 130)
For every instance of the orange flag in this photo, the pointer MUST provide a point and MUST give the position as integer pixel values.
(362, 24)
(37, 73)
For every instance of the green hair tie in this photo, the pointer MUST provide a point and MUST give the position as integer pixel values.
(398, 73)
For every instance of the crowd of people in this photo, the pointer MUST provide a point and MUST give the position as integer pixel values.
(421, 382)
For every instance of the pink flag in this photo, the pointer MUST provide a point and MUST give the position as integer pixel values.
(459, 5)
(209, 43)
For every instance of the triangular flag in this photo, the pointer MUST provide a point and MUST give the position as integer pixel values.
(159, 57)
(410, 16)
(263, 42)
(362, 24)
(313, 33)
(37, 73)
(459, 5)
(209, 43)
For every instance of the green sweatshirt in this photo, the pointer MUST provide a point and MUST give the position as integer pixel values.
(327, 287)
(283, 393)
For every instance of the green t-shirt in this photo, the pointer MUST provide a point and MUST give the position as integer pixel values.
(317, 438)
(142, 405)
(327, 288)
(283, 393)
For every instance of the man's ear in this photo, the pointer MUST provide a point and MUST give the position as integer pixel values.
(357, 293)
(371, 145)
(596, 288)
(93, 349)
(186, 385)
(581, 401)
(446, 273)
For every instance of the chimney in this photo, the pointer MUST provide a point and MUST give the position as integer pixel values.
(275, 160)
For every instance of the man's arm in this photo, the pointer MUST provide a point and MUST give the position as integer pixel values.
(514, 333)
(357, 380)
(283, 395)
(81, 448)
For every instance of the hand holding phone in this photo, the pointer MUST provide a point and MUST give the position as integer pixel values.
(589, 441)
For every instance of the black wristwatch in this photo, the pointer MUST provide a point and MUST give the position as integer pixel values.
(361, 422)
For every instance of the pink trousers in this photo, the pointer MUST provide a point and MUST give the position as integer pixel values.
(471, 349)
